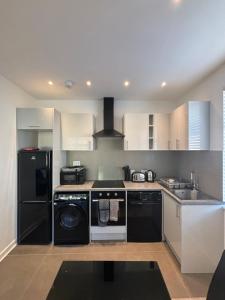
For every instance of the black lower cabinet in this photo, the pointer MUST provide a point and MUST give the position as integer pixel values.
(144, 216)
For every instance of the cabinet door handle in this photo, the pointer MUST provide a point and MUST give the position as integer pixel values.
(34, 126)
(178, 211)
(89, 144)
(127, 145)
(46, 160)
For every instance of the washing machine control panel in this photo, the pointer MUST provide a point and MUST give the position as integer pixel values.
(70, 196)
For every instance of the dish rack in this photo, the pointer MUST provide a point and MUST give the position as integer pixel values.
(174, 183)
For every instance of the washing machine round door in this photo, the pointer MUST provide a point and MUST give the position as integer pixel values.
(71, 216)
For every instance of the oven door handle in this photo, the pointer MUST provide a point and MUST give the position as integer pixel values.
(119, 200)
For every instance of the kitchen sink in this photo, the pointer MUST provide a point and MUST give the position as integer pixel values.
(189, 194)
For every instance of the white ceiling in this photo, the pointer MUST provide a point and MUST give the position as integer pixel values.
(107, 42)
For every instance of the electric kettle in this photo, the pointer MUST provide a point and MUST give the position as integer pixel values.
(150, 176)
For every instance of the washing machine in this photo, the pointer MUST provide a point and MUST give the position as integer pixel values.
(71, 218)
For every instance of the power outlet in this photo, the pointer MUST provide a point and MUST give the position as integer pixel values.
(76, 163)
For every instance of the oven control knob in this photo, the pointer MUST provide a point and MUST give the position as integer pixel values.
(108, 194)
(100, 194)
(115, 194)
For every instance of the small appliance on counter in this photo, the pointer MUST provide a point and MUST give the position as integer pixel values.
(127, 173)
(138, 177)
(72, 175)
(150, 176)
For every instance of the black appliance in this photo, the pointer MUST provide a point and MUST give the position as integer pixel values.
(108, 184)
(144, 216)
(34, 197)
(72, 175)
(150, 176)
(71, 218)
(108, 116)
(120, 196)
(127, 175)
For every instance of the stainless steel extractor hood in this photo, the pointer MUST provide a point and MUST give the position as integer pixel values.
(108, 118)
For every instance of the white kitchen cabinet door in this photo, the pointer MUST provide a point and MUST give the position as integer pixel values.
(35, 118)
(189, 126)
(172, 224)
(136, 131)
(77, 131)
(182, 128)
(162, 131)
(199, 125)
(178, 128)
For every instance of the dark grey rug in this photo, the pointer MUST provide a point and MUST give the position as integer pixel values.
(107, 280)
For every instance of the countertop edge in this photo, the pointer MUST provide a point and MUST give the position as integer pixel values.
(156, 186)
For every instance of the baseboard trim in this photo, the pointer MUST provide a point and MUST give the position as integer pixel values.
(7, 250)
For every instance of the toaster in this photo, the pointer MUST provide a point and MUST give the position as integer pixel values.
(138, 177)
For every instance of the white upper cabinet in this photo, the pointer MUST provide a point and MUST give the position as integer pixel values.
(136, 131)
(35, 118)
(190, 126)
(161, 131)
(145, 131)
(77, 131)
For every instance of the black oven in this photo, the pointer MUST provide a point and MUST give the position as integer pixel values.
(108, 208)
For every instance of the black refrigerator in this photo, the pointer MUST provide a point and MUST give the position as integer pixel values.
(34, 220)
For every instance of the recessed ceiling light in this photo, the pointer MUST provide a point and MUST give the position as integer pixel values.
(88, 83)
(176, 2)
(163, 84)
(126, 83)
(50, 82)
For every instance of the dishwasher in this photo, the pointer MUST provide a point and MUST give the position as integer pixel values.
(144, 216)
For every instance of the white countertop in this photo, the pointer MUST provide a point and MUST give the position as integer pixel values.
(137, 186)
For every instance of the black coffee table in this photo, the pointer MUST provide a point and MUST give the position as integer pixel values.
(107, 280)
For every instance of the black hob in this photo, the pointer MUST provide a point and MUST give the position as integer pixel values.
(104, 184)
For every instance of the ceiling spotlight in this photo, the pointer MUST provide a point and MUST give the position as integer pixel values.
(69, 84)
(88, 83)
(50, 82)
(163, 84)
(126, 83)
(176, 2)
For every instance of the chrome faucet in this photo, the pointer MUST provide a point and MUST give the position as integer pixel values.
(194, 180)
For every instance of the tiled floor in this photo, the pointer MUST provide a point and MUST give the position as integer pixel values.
(28, 272)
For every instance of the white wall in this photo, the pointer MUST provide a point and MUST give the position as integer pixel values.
(10, 97)
(211, 88)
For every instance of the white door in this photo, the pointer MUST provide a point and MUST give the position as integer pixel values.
(136, 131)
(174, 120)
(162, 131)
(182, 127)
(77, 131)
(35, 118)
(172, 223)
